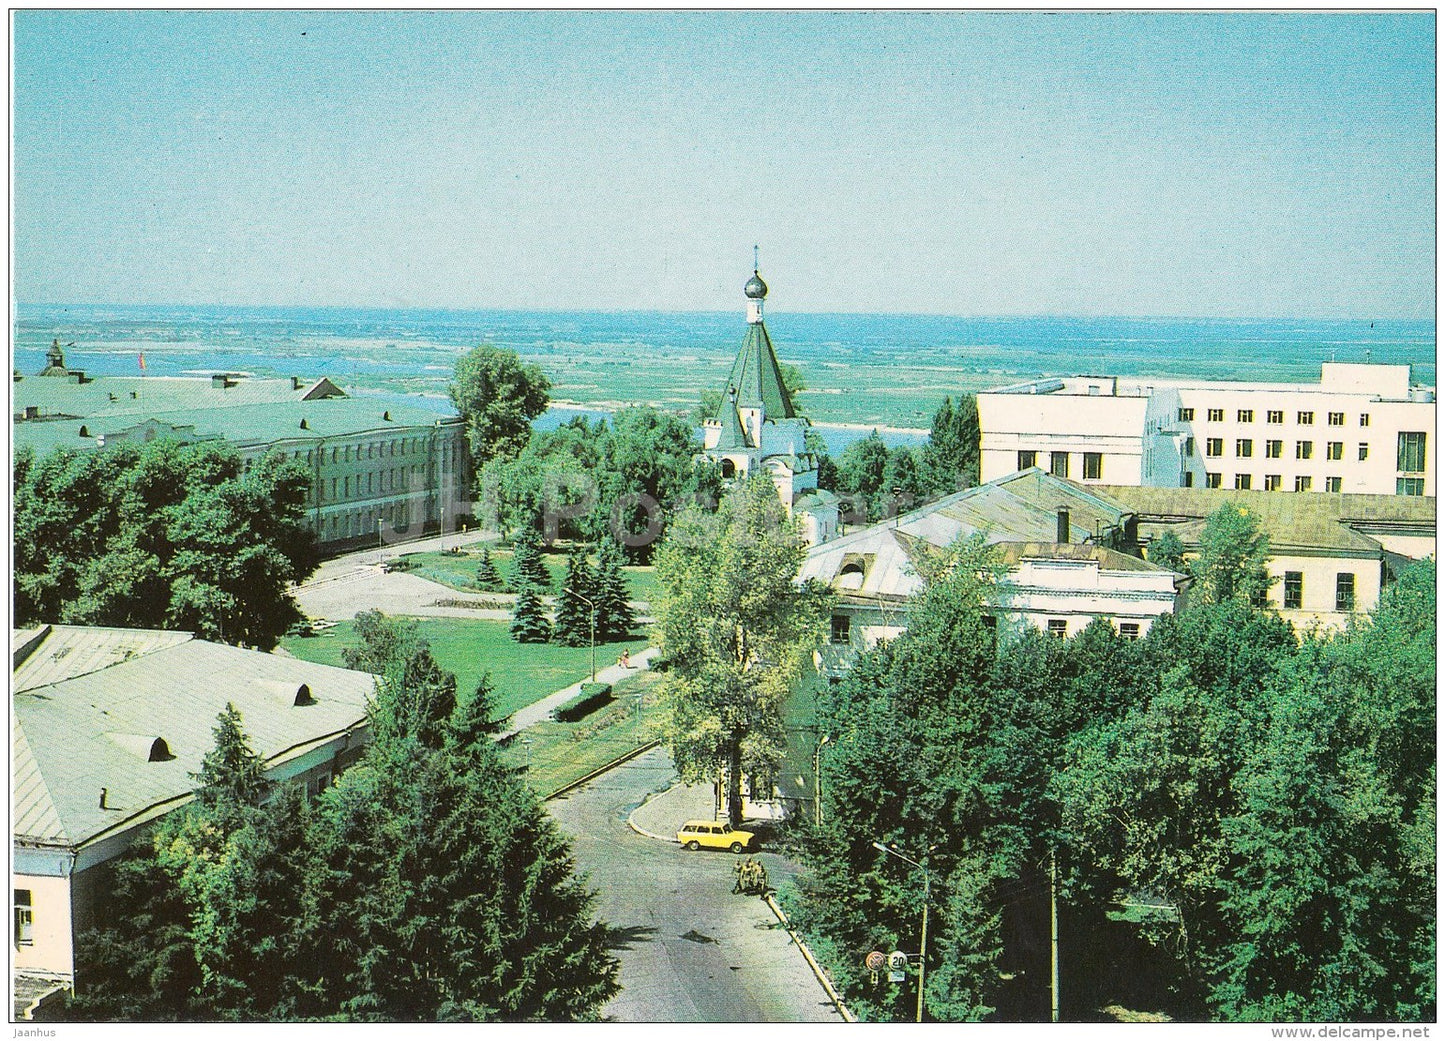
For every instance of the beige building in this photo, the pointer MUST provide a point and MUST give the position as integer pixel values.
(108, 727)
(1330, 555)
(1362, 429)
(1066, 551)
(380, 469)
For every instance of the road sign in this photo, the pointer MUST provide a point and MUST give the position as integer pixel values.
(897, 963)
(875, 960)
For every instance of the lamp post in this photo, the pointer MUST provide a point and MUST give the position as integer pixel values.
(592, 608)
(923, 937)
(818, 780)
(527, 750)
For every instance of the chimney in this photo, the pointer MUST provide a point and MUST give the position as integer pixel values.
(219, 381)
(1063, 529)
(295, 382)
(32, 411)
(103, 793)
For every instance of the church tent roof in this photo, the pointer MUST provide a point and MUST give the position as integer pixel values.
(756, 378)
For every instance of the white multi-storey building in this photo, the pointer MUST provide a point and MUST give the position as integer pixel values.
(1361, 429)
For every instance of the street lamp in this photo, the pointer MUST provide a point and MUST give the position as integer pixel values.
(593, 609)
(818, 780)
(923, 939)
(527, 750)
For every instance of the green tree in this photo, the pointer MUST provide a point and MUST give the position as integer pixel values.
(861, 471)
(167, 536)
(488, 577)
(498, 396)
(737, 631)
(615, 619)
(1168, 552)
(529, 618)
(1233, 552)
(903, 487)
(422, 695)
(439, 890)
(951, 456)
(575, 624)
(528, 568)
(793, 381)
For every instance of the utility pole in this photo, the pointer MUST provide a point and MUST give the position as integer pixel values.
(923, 933)
(592, 609)
(818, 781)
(1054, 931)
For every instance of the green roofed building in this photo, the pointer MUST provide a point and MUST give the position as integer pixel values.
(380, 469)
(756, 429)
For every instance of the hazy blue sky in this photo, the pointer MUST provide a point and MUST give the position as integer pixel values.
(971, 164)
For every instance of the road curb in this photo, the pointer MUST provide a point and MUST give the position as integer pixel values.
(833, 995)
(602, 770)
(643, 831)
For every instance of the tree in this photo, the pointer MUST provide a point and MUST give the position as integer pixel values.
(575, 624)
(497, 396)
(737, 631)
(529, 618)
(1233, 552)
(951, 456)
(615, 619)
(527, 566)
(1168, 552)
(214, 892)
(439, 890)
(422, 695)
(903, 488)
(488, 577)
(169, 535)
(793, 381)
(861, 471)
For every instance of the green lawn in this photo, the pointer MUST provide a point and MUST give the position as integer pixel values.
(459, 570)
(522, 673)
(559, 753)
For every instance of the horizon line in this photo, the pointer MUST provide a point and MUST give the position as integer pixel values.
(1000, 316)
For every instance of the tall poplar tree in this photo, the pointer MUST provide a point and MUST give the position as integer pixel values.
(737, 630)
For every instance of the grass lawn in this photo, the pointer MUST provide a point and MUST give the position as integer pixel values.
(459, 570)
(560, 753)
(522, 673)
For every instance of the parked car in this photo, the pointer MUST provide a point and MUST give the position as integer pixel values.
(696, 835)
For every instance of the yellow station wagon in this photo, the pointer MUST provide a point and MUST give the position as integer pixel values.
(714, 835)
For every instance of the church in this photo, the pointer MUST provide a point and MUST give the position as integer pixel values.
(756, 429)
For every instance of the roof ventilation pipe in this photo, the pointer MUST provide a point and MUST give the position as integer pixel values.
(1063, 528)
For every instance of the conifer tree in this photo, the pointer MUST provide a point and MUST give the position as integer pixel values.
(614, 613)
(575, 619)
(488, 577)
(529, 619)
(527, 565)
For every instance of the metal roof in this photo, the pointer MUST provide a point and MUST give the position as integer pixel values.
(77, 735)
(51, 653)
(1291, 520)
(756, 379)
(1019, 508)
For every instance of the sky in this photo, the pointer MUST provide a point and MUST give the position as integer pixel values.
(1164, 164)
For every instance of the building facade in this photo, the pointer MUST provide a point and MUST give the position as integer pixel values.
(756, 429)
(1067, 555)
(1363, 429)
(109, 728)
(380, 469)
(1330, 555)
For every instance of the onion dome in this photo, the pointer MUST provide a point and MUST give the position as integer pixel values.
(756, 288)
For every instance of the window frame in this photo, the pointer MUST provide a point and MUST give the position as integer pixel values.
(24, 917)
(1097, 459)
(1055, 468)
(1216, 415)
(1345, 591)
(1408, 447)
(1305, 418)
(1335, 419)
(1213, 447)
(1293, 590)
(1244, 448)
(1304, 449)
(1033, 458)
(1244, 415)
(1275, 415)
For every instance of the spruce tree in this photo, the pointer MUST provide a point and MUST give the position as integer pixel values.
(574, 626)
(529, 619)
(488, 577)
(527, 565)
(614, 614)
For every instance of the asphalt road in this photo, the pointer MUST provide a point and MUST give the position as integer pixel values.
(690, 950)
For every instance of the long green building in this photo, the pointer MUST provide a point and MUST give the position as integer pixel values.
(381, 470)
